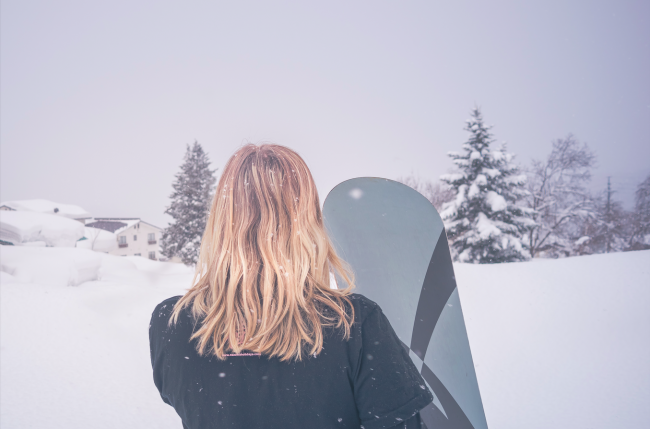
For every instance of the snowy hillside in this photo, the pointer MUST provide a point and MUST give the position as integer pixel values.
(556, 343)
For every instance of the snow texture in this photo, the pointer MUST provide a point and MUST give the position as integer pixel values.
(561, 343)
(18, 227)
(50, 267)
(49, 207)
(99, 240)
(556, 343)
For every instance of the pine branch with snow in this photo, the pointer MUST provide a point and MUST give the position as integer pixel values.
(190, 206)
(485, 222)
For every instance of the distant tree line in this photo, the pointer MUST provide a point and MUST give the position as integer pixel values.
(496, 211)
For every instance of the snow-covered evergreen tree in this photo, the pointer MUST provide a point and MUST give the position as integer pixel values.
(485, 222)
(190, 206)
(641, 219)
(605, 229)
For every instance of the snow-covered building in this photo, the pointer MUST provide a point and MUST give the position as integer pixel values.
(47, 207)
(29, 228)
(135, 237)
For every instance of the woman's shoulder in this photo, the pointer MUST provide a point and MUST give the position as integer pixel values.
(363, 306)
(168, 304)
(164, 309)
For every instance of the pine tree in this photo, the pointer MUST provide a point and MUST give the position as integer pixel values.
(484, 222)
(605, 229)
(641, 218)
(190, 206)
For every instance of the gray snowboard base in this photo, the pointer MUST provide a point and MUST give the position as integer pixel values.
(395, 242)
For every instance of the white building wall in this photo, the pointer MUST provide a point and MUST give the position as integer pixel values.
(136, 238)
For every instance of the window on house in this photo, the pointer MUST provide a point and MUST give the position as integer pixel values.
(122, 239)
(135, 238)
(152, 255)
(151, 237)
(137, 254)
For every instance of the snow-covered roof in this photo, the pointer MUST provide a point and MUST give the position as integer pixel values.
(116, 225)
(50, 207)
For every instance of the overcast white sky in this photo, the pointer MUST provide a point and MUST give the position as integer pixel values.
(99, 99)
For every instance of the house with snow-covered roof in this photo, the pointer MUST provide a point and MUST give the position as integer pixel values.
(135, 237)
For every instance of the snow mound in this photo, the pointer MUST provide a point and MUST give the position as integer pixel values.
(97, 239)
(50, 266)
(18, 227)
(48, 207)
(150, 265)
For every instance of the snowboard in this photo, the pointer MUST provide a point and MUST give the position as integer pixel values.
(395, 242)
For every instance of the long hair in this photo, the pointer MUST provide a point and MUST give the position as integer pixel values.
(262, 281)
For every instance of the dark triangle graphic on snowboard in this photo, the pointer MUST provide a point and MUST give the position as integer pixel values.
(396, 244)
(439, 283)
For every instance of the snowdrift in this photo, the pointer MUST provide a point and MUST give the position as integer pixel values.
(50, 266)
(556, 343)
(18, 227)
(99, 240)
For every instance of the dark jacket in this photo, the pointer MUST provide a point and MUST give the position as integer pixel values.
(368, 381)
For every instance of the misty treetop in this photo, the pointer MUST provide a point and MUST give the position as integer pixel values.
(485, 221)
(190, 206)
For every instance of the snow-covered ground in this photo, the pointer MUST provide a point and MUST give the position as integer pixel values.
(561, 343)
(557, 343)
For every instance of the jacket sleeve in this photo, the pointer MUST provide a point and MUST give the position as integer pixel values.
(388, 388)
(414, 422)
(157, 327)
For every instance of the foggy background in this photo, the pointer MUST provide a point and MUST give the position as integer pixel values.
(98, 100)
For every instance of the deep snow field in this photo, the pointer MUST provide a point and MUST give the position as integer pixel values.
(556, 343)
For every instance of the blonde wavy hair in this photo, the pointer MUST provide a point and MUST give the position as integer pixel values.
(262, 281)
